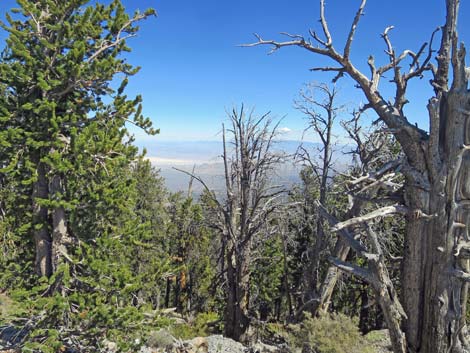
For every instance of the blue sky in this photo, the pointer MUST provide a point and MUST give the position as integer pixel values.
(192, 69)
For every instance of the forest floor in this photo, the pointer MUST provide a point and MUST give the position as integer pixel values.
(380, 340)
(162, 341)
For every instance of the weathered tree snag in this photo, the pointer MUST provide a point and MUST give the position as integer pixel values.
(230, 322)
(386, 295)
(412, 268)
(436, 180)
(42, 238)
(317, 102)
(248, 204)
(333, 274)
(442, 314)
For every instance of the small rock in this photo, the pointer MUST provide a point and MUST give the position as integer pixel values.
(261, 347)
(199, 345)
(110, 346)
(146, 349)
(220, 344)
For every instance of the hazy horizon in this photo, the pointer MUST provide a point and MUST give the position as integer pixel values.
(205, 157)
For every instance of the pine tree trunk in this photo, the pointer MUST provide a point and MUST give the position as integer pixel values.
(59, 225)
(236, 312)
(230, 320)
(42, 238)
(243, 293)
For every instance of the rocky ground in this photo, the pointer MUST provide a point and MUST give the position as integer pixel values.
(163, 342)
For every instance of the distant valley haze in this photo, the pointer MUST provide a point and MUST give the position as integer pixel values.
(205, 157)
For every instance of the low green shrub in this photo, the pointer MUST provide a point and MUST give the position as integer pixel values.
(335, 333)
(160, 339)
(201, 326)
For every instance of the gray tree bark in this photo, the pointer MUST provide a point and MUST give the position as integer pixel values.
(42, 238)
(59, 225)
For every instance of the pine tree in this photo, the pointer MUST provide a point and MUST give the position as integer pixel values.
(58, 65)
(190, 246)
(70, 192)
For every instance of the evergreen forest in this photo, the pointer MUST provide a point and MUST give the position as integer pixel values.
(98, 255)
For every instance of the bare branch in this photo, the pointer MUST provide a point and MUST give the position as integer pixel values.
(354, 270)
(408, 135)
(328, 68)
(425, 65)
(324, 25)
(277, 45)
(36, 22)
(352, 31)
(380, 173)
(314, 35)
(381, 212)
(353, 243)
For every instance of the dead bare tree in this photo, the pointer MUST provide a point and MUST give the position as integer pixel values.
(374, 170)
(317, 103)
(437, 187)
(375, 190)
(249, 201)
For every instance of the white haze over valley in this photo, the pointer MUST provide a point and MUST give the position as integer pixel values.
(205, 157)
